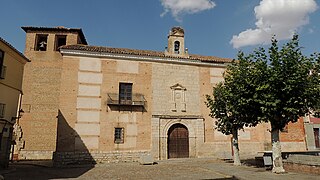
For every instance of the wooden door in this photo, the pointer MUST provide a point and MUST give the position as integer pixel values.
(178, 141)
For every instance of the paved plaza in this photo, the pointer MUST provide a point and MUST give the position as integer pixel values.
(167, 169)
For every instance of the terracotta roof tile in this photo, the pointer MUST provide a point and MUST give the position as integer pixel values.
(143, 53)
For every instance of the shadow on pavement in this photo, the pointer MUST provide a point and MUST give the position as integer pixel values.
(70, 160)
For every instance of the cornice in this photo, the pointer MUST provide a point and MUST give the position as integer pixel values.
(170, 60)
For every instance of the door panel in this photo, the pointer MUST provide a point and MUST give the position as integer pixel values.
(178, 142)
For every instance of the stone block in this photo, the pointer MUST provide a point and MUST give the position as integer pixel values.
(88, 116)
(146, 159)
(89, 103)
(90, 64)
(89, 77)
(89, 90)
(87, 129)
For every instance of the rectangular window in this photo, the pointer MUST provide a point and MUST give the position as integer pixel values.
(61, 40)
(41, 42)
(2, 110)
(118, 135)
(316, 137)
(2, 67)
(125, 93)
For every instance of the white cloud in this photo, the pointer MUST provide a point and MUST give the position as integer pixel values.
(310, 31)
(179, 7)
(276, 17)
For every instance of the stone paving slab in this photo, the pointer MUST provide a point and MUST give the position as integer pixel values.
(166, 169)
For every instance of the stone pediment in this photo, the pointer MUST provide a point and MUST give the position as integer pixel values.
(178, 87)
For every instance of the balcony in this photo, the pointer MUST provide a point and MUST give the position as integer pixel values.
(137, 100)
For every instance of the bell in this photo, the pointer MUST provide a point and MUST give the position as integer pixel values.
(42, 45)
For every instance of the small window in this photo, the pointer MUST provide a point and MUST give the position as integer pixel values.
(41, 42)
(61, 40)
(125, 93)
(317, 137)
(2, 67)
(118, 135)
(2, 110)
(176, 47)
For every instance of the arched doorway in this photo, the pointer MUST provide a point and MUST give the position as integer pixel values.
(178, 141)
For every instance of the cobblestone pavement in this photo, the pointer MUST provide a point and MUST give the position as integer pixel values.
(167, 169)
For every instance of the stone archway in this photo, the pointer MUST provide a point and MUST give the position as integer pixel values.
(178, 141)
(161, 125)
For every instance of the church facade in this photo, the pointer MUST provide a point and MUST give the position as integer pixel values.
(92, 103)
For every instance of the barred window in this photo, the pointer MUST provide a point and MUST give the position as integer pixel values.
(118, 135)
(2, 110)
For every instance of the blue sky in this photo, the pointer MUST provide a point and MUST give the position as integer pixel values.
(212, 27)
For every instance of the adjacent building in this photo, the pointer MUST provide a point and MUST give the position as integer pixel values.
(312, 129)
(92, 103)
(11, 72)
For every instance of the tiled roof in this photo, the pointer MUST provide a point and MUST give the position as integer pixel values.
(58, 29)
(101, 49)
(13, 48)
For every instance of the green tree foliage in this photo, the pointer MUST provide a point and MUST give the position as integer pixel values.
(288, 89)
(276, 86)
(232, 100)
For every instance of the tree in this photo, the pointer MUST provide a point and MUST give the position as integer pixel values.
(278, 87)
(231, 101)
(288, 89)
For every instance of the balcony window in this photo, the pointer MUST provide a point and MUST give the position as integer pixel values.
(125, 93)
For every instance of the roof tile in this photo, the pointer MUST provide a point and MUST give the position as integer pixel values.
(143, 53)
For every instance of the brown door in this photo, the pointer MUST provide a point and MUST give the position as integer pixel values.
(316, 137)
(178, 141)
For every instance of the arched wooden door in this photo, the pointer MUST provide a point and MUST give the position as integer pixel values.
(178, 141)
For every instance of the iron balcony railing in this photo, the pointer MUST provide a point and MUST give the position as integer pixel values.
(136, 100)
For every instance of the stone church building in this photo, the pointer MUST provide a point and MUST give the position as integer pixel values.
(92, 103)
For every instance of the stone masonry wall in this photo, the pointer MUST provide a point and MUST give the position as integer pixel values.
(77, 158)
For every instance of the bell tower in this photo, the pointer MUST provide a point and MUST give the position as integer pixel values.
(176, 43)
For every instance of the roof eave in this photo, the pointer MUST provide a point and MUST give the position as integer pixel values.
(164, 59)
(79, 30)
(14, 49)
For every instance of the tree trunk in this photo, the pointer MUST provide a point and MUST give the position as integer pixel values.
(235, 146)
(276, 152)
